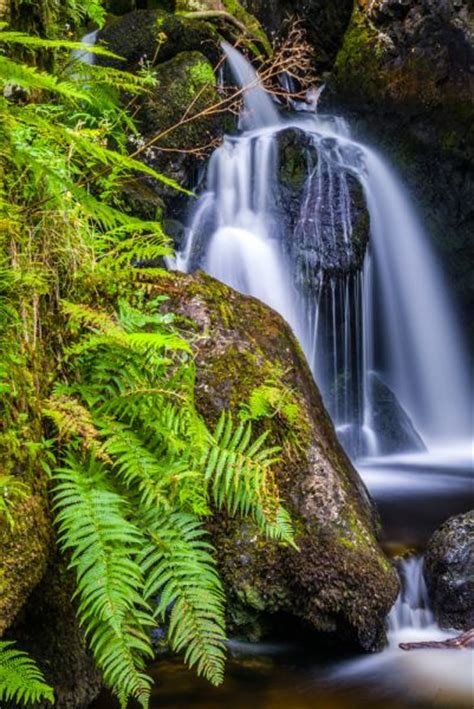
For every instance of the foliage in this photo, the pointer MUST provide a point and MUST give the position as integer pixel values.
(20, 679)
(93, 359)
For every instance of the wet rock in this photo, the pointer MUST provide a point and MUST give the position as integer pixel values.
(241, 345)
(392, 425)
(449, 572)
(326, 213)
(49, 631)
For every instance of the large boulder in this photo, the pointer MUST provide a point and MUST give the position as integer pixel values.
(155, 36)
(340, 582)
(449, 572)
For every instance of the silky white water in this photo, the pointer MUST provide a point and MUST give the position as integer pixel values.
(388, 325)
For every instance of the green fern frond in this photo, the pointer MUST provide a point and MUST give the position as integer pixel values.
(239, 471)
(12, 492)
(93, 524)
(20, 678)
(181, 572)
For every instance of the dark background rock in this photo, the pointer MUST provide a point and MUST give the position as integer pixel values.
(49, 631)
(449, 572)
(392, 425)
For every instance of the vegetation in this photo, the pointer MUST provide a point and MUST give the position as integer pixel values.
(97, 382)
(20, 679)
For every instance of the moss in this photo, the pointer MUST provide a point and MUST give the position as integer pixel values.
(23, 556)
(186, 85)
(233, 7)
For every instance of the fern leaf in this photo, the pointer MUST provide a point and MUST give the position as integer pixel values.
(93, 524)
(180, 569)
(20, 678)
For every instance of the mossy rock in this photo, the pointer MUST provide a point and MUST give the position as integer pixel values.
(155, 36)
(24, 554)
(234, 8)
(415, 59)
(241, 344)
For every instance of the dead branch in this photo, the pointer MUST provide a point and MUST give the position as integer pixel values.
(461, 642)
(222, 15)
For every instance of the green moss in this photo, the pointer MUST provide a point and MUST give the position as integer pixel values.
(233, 7)
(186, 86)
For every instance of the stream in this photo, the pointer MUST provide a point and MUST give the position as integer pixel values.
(384, 346)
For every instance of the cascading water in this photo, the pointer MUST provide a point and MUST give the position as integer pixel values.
(382, 339)
(90, 40)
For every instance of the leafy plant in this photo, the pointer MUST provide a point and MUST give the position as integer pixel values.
(20, 678)
(142, 473)
(91, 356)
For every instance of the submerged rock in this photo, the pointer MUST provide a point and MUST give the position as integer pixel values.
(339, 582)
(449, 572)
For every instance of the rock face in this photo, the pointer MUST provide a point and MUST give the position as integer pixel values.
(241, 345)
(325, 22)
(405, 70)
(417, 56)
(449, 572)
(48, 630)
(24, 553)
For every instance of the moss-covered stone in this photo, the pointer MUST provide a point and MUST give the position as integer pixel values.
(414, 59)
(156, 36)
(242, 344)
(24, 553)
(234, 8)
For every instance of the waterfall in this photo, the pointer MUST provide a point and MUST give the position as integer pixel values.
(380, 335)
(412, 609)
(90, 40)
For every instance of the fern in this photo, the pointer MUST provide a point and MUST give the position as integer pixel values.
(239, 471)
(181, 572)
(20, 678)
(92, 521)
